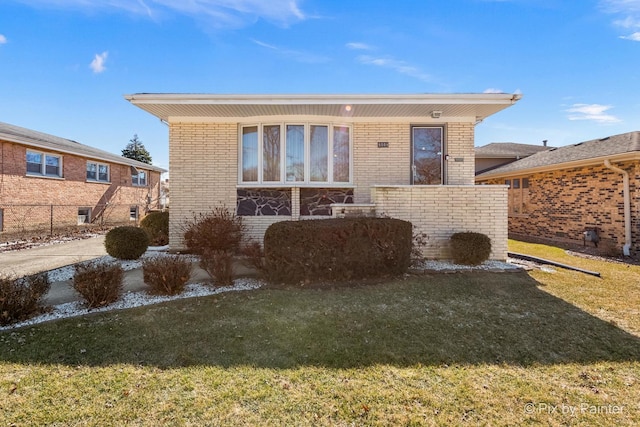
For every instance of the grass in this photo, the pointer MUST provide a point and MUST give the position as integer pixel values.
(440, 349)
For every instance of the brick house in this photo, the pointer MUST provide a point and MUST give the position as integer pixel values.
(49, 182)
(291, 157)
(559, 194)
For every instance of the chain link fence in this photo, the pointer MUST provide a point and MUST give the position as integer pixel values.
(18, 222)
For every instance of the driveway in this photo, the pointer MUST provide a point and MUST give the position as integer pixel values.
(34, 260)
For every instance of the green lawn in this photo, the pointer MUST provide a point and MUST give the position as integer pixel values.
(440, 349)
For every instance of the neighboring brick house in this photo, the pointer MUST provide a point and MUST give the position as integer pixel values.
(47, 182)
(559, 194)
(290, 157)
(496, 154)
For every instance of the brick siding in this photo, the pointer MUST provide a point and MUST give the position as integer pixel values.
(72, 190)
(561, 204)
(204, 174)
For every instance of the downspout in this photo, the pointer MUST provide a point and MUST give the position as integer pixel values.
(627, 206)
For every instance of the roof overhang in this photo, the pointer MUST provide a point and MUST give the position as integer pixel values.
(621, 157)
(440, 107)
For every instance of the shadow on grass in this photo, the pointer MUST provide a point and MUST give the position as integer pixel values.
(462, 318)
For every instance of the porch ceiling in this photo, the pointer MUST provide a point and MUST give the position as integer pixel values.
(477, 106)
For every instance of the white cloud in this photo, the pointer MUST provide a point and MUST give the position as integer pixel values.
(591, 112)
(358, 46)
(215, 13)
(635, 37)
(493, 90)
(3, 39)
(296, 55)
(396, 65)
(97, 65)
(629, 13)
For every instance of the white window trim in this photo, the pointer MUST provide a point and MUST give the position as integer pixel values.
(137, 183)
(98, 164)
(307, 155)
(43, 164)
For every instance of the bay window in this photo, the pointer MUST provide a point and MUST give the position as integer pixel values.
(295, 153)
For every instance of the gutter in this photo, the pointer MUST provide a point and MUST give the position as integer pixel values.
(627, 206)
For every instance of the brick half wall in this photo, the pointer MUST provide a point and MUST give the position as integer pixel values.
(440, 211)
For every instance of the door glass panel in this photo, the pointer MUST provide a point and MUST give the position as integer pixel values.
(427, 155)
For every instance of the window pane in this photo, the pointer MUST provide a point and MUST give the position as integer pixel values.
(516, 183)
(250, 153)
(52, 166)
(103, 173)
(508, 182)
(525, 182)
(319, 147)
(295, 152)
(34, 162)
(92, 171)
(271, 153)
(142, 177)
(427, 155)
(341, 154)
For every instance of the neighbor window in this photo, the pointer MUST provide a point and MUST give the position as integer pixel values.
(295, 153)
(133, 213)
(44, 164)
(138, 177)
(518, 194)
(97, 172)
(84, 216)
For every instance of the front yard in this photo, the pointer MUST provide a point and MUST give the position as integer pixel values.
(440, 349)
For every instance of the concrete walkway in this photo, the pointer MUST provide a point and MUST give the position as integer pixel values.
(44, 258)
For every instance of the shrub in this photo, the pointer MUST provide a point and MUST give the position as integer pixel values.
(336, 249)
(126, 242)
(156, 224)
(470, 248)
(215, 237)
(253, 256)
(166, 275)
(21, 298)
(99, 284)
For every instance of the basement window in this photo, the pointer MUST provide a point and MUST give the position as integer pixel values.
(133, 213)
(84, 216)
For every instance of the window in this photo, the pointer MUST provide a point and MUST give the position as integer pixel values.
(295, 153)
(133, 213)
(44, 164)
(518, 195)
(97, 172)
(138, 177)
(84, 216)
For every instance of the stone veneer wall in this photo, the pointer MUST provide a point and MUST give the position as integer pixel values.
(440, 211)
(562, 203)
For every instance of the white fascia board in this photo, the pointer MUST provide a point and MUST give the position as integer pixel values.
(360, 99)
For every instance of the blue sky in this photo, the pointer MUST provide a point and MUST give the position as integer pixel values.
(66, 64)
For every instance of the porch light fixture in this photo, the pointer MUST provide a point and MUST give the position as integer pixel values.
(436, 114)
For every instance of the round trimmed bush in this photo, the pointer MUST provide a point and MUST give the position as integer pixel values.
(470, 248)
(126, 242)
(156, 224)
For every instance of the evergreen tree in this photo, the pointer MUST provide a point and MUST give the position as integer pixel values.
(135, 150)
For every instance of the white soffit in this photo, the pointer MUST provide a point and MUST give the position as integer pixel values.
(478, 106)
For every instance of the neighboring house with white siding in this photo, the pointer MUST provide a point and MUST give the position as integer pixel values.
(289, 157)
